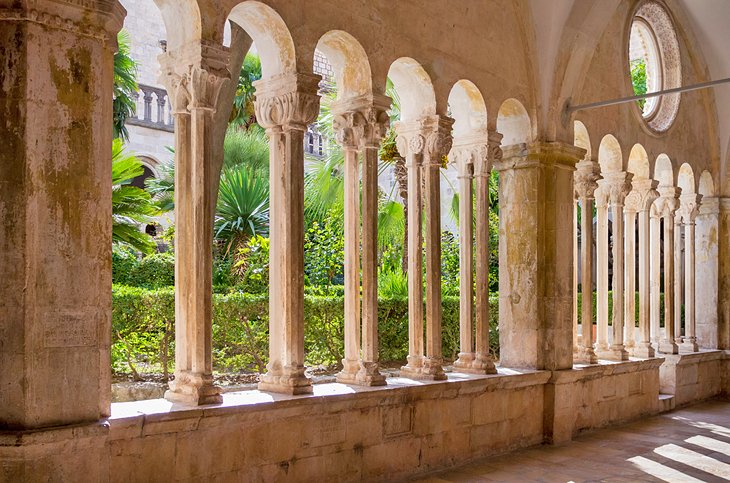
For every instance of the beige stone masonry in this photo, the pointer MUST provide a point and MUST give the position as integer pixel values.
(693, 377)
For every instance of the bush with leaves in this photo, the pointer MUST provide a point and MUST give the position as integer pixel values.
(252, 266)
(324, 251)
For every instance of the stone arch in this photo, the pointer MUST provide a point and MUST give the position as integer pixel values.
(182, 22)
(414, 87)
(468, 109)
(513, 123)
(151, 162)
(706, 184)
(609, 154)
(638, 164)
(686, 179)
(270, 34)
(581, 138)
(349, 62)
(663, 171)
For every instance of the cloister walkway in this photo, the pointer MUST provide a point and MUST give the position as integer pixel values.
(686, 445)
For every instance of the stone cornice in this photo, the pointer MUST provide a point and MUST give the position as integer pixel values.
(558, 154)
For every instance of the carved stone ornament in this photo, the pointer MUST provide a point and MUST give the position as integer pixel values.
(287, 101)
(667, 202)
(585, 179)
(643, 194)
(689, 208)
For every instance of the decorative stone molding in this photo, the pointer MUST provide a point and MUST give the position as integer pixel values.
(520, 156)
(364, 119)
(585, 179)
(617, 185)
(100, 19)
(667, 202)
(689, 208)
(643, 194)
(289, 100)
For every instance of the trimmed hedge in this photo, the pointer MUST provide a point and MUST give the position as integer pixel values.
(143, 330)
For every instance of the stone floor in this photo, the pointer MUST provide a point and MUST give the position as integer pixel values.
(687, 445)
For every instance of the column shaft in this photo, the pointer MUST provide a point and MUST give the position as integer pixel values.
(690, 341)
(655, 280)
(644, 348)
(466, 267)
(587, 355)
(576, 255)
(602, 278)
(668, 345)
(678, 280)
(415, 265)
(370, 263)
(630, 279)
(351, 362)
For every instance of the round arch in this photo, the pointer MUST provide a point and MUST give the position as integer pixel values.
(182, 21)
(686, 179)
(414, 87)
(609, 155)
(270, 34)
(467, 108)
(349, 62)
(639, 162)
(663, 171)
(513, 123)
(581, 138)
(706, 185)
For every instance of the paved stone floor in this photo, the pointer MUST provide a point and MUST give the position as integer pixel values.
(686, 445)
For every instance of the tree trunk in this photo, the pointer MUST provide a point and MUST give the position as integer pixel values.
(401, 177)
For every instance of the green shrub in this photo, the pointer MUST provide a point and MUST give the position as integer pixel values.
(154, 271)
(124, 262)
(143, 330)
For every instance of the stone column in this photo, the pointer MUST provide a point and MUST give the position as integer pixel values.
(640, 199)
(437, 130)
(535, 227)
(285, 105)
(678, 295)
(706, 272)
(576, 264)
(410, 143)
(602, 199)
(664, 208)
(194, 84)
(629, 276)
(586, 177)
(655, 229)
(56, 235)
(687, 214)
(361, 123)
(618, 185)
(476, 156)
(723, 284)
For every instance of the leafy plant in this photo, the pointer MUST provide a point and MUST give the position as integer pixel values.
(243, 114)
(638, 80)
(131, 206)
(162, 187)
(252, 265)
(125, 86)
(324, 246)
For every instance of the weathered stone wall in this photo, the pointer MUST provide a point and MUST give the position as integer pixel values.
(693, 377)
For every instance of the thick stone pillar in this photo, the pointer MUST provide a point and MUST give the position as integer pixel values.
(586, 176)
(706, 272)
(410, 143)
(687, 214)
(664, 207)
(618, 185)
(55, 237)
(361, 123)
(475, 156)
(639, 201)
(285, 105)
(194, 84)
(602, 199)
(535, 227)
(723, 249)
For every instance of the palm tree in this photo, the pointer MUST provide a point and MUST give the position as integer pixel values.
(243, 115)
(162, 187)
(131, 206)
(125, 86)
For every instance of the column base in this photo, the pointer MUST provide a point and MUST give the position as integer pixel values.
(602, 347)
(586, 355)
(689, 345)
(289, 380)
(666, 347)
(62, 453)
(644, 351)
(423, 368)
(615, 353)
(193, 390)
(361, 374)
(349, 371)
(470, 363)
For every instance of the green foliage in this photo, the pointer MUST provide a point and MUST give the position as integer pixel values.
(392, 283)
(638, 79)
(154, 271)
(162, 187)
(248, 147)
(125, 86)
(131, 206)
(493, 251)
(449, 264)
(243, 206)
(143, 330)
(252, 266)
(324, 245)
(124, 262)
(243, 114)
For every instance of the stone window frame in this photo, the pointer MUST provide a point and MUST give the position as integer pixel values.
(656, 16)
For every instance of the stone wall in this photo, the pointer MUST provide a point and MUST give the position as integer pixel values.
(693, 377)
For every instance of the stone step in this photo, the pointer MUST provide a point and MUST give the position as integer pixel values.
(666, 402)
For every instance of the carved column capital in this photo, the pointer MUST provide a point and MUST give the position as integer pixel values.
(618, 186)
(643, 193)
(361, 121)
(689, 208)
(585, 179)
(465, 157)
(288, 100)
(437, 131)
(667, 202)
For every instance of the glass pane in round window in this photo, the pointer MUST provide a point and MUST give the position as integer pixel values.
(645, 65)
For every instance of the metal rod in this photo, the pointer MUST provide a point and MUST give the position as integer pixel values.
(623, 100)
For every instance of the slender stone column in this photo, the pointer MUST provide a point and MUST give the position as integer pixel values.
(56, 235)
(687, 213)
(629, 278)
(476, 155)
(706, 273)
(536, 208)
(360, 124)
(585, 179)
(194, 84)
(438, 144)
(655, 227)
(664, 207)
(641, 198)
(410, 143)
(678, 292)
(618, 185)
(284, 106)
(576, 255)
(602, 199)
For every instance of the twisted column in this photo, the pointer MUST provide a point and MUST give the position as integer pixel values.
(585, 181)
(284, 107)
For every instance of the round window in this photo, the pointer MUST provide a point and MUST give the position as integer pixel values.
(654, 64)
